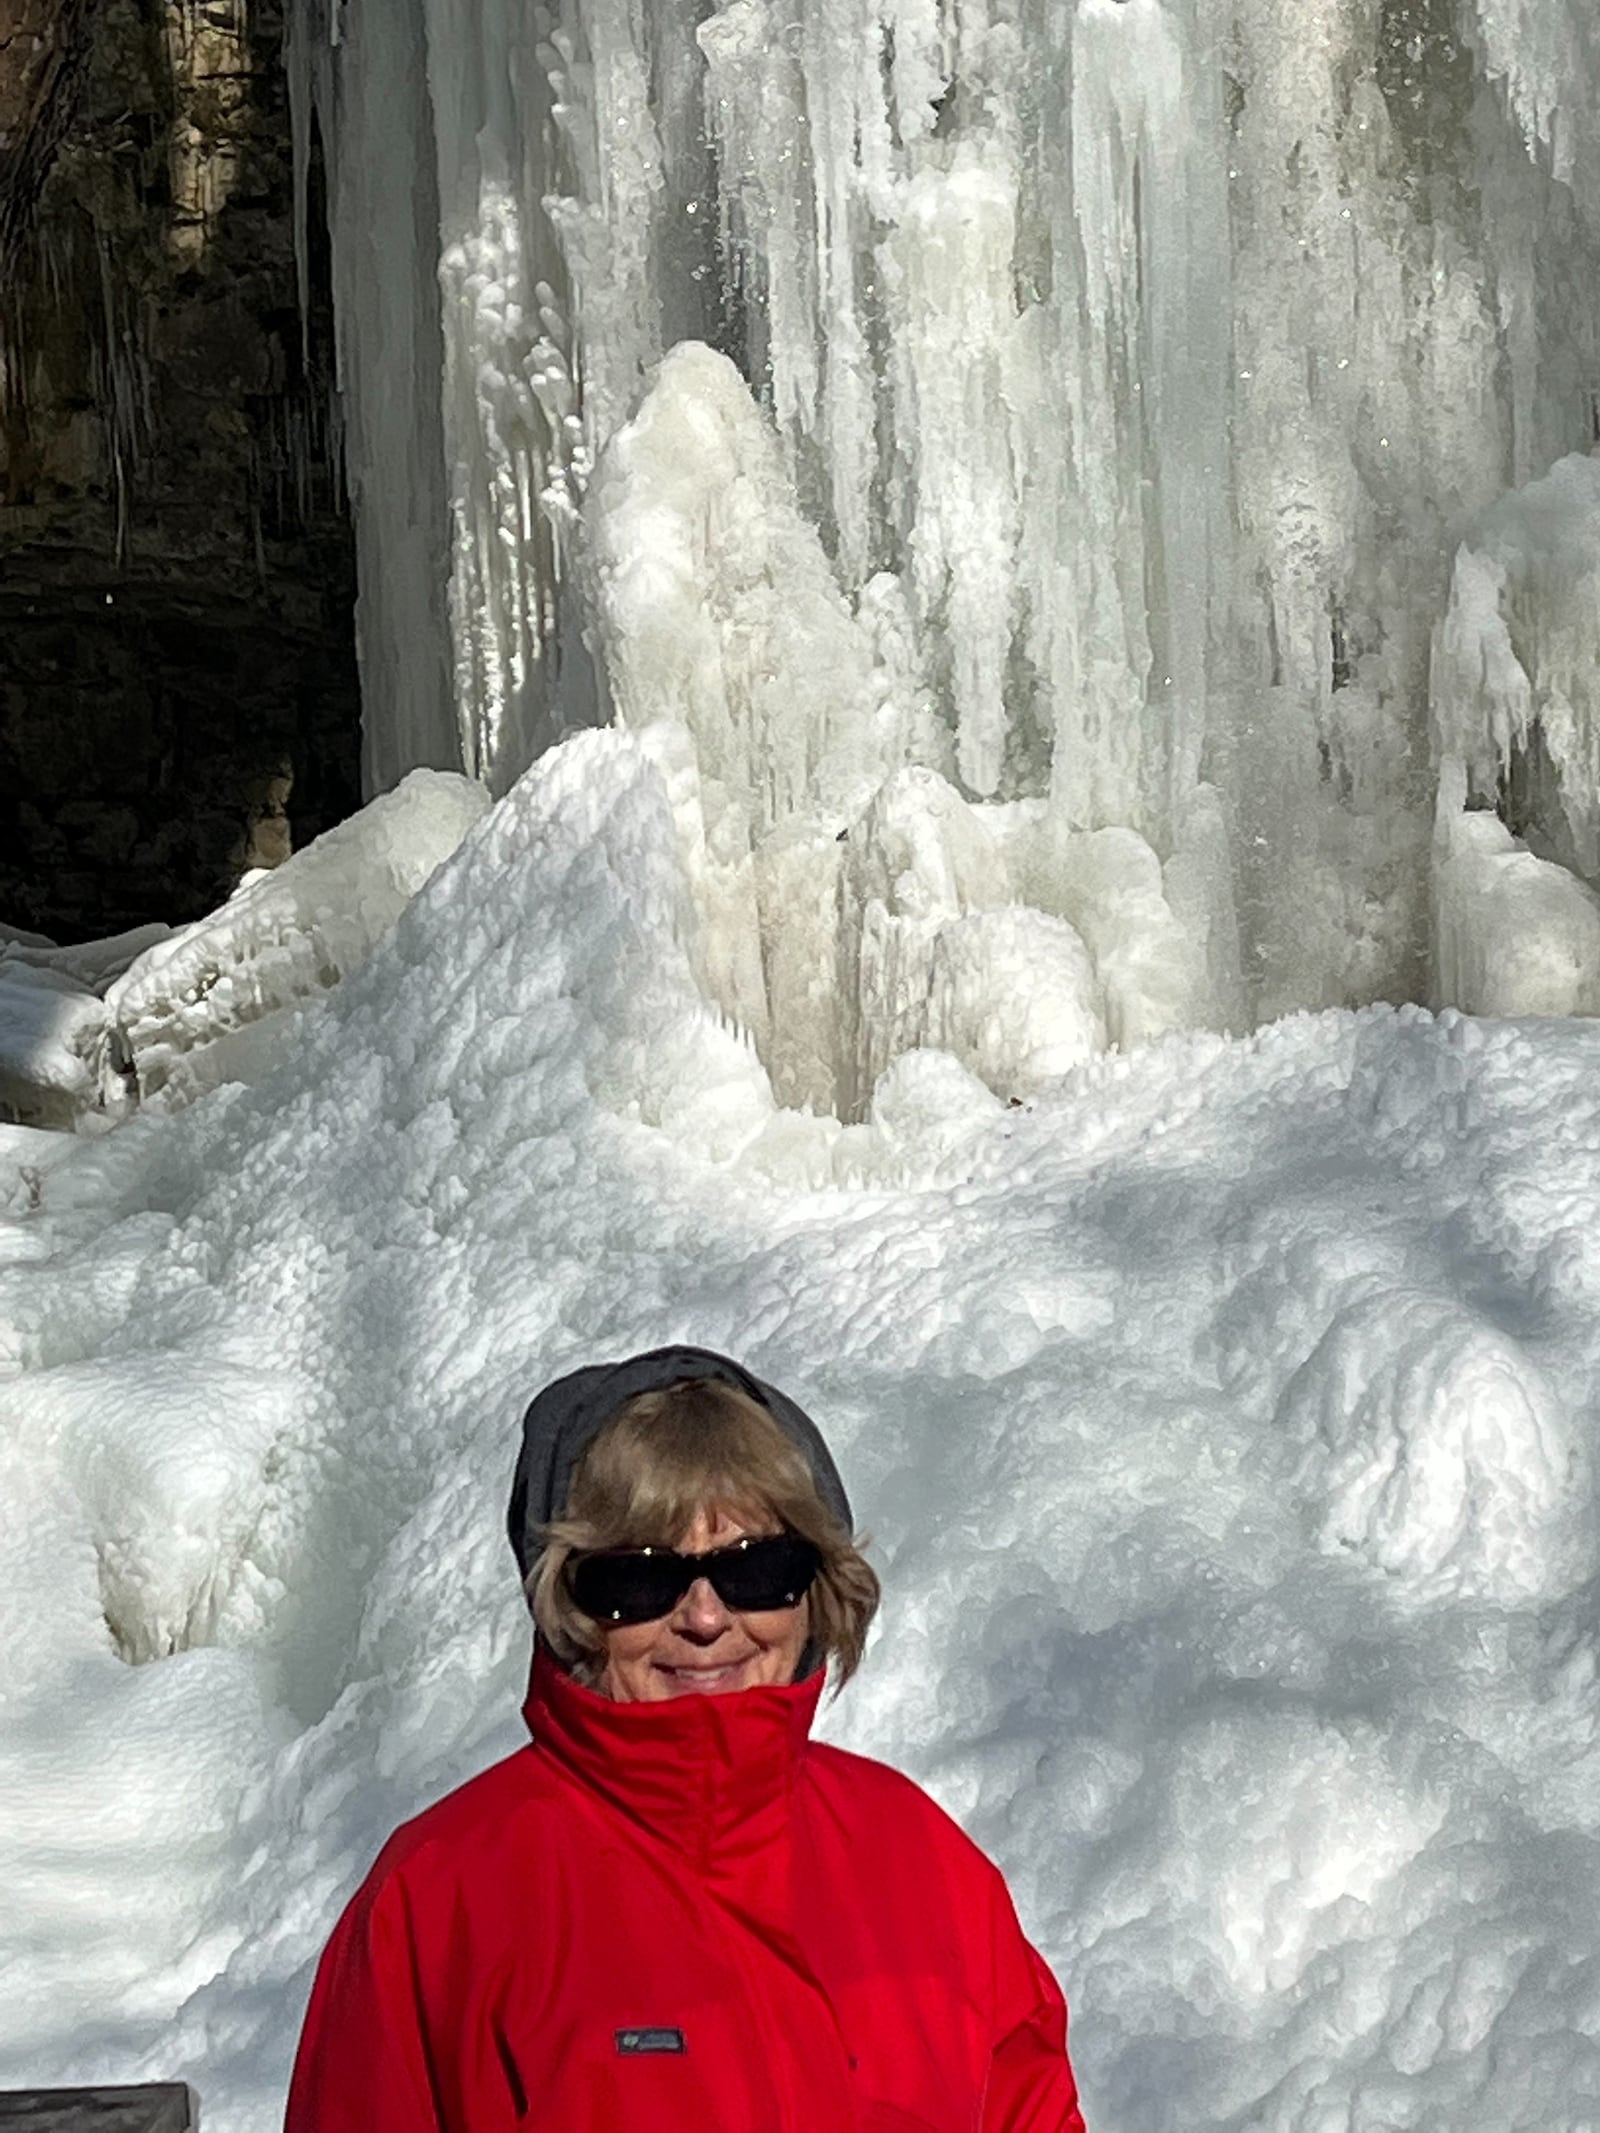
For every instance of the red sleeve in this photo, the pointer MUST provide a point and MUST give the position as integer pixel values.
(1031, 2089)
(362, 2066)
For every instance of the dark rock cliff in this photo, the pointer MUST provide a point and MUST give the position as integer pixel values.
(178, 695)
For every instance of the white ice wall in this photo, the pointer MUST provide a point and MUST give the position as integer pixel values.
(1145, 361)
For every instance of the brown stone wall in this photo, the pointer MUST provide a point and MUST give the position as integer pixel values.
(43, 44)
(178, 695)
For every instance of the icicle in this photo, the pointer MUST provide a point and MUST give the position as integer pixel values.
(1547, 55)
(303, 51)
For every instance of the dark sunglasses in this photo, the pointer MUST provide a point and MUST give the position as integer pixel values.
(754, 1576)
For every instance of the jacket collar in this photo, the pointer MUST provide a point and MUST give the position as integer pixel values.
(709, 1776)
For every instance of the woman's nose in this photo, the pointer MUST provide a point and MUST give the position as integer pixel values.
(703, 1612)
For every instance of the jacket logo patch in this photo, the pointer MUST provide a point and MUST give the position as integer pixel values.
(631, 2042)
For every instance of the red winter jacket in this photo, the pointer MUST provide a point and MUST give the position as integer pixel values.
(688, 1917)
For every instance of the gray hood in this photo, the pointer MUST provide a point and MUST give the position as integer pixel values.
(563, 1420)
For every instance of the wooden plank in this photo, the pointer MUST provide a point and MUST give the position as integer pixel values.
(169, 2107)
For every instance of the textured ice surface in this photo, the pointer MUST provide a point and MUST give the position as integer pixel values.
(1516, 713)
(1539, 50)
(1223, 1416)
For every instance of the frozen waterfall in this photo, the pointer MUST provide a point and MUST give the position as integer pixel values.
(1046, 479)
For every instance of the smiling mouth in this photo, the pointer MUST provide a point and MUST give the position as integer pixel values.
(706, 1678)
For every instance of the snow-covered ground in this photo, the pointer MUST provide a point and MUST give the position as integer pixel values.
(1224, 1417)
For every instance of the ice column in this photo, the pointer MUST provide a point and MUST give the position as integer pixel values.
(358, 79)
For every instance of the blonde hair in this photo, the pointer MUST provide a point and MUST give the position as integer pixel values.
(698, 1445)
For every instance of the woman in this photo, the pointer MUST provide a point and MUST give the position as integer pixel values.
(674, 1912)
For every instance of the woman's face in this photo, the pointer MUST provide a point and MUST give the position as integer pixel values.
(703, 1648)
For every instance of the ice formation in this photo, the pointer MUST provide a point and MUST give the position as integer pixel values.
(161, 1014)
(1516, 672)
(838, 871)
(1221, 1413)
(1130, 373)
(213, 1001)
(1516, 712)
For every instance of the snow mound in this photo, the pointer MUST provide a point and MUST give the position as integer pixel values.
(1013, 994)
(1445, 1460)
(1221, 1414)
(171, 1507)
